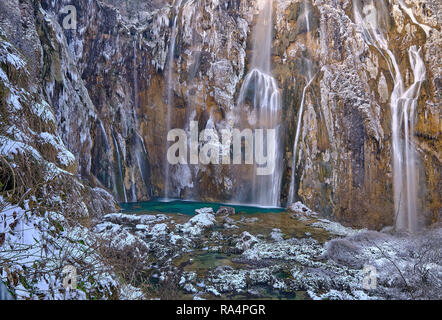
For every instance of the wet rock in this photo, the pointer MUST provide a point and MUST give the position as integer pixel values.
(229, 223)
(302, 211)
(225, 211)
(101, 81)
(246, 241)
(204, 211)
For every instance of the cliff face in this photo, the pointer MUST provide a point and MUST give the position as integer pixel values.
(112, 80)
(37, 142)
(345, 167)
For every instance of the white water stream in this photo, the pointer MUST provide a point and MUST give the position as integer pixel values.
(371, 18)
(261, 92)
(309, 80)
(169, 94)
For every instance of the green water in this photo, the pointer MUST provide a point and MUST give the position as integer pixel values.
(188, 207)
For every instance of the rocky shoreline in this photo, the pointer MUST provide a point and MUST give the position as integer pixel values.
(233, 256)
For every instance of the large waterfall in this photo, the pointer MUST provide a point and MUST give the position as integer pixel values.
(169, 94)
(140, 149)
(373, 17)
(403, 107)
(260, 95)
(119, 185)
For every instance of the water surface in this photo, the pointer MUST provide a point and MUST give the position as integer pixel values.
(189, 207)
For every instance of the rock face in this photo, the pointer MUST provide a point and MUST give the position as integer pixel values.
(108, 86)
(34, 140)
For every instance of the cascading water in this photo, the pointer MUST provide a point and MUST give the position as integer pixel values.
(120, 183)
(309, 79)
(135, 80)
(170, 93)
(406, 109)
(403, 104)
(140, 151)
(261, 92)
(291, 197)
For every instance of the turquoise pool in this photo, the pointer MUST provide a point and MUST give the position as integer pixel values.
(188, 207)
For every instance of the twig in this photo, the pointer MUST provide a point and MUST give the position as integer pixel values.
(397, 268)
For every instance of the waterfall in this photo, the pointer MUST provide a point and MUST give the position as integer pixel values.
(140, 160)
(120, 169)
(403, 104)
(291, 197)
(135, 80)
(405, 107)
(141, 156)
(309, 80)
(307, 19)
(260, 92)
(169, 93)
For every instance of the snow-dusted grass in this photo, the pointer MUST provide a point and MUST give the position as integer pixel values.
(36, 248)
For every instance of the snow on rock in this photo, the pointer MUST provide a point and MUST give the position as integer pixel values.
(204, 220)
(300, 250)
(228, 280)
(119, 237)
(129, 292)
(300, 207)
(246, 241)
(121, 218)
(277, 235)
(334, 227)
(64, 156)
(10, 56)
(106, 226)
(44, 111)
(204, 210)
(159, 230)
(301, 211)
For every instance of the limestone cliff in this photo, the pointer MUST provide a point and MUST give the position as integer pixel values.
(110, 81)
